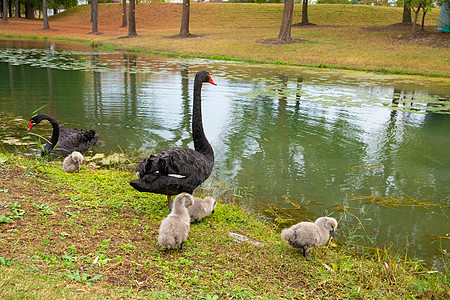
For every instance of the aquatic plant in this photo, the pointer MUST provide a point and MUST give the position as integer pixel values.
(395, 201)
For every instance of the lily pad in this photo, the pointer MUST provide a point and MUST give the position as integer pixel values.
(15, 141)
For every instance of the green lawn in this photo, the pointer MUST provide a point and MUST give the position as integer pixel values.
(89, 235)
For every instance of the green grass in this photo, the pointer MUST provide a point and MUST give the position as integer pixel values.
(89, 235)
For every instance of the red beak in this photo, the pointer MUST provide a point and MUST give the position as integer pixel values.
(212, 81)
(31, 126)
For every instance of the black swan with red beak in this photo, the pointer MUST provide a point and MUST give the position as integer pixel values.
(65, 140)
(179, 170)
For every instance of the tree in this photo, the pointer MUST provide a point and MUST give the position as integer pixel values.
(29, 9)
(286, 23)
(184, 30)
(17, 9)
(10, 10)
(305, 20)
(305, 12)
(5, 11)
(416, 11)
(428, 5)
(45, 14)
(94, 15)
(416, 6)
(406, 13)
(124, 13)
(132, 19)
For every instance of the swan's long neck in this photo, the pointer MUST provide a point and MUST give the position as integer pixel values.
(55, 134)
(201, 144)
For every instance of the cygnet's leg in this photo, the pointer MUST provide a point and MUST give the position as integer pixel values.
(182, 246)
(306, 253)
(169, 202)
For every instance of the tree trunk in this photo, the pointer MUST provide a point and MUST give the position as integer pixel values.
(184, 31)
(423, 19)
(132, 19)
(17, 9)
(286, 23)
(10, 9)
(44, 11)
(29, 10)
(416, 12)
(94, 10)
(406, 13)
(305, 12)
(5, 10)
(124, 13)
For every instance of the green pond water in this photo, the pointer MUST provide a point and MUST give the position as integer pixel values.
(292, 143)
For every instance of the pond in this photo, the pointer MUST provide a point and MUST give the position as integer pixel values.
(291, 143)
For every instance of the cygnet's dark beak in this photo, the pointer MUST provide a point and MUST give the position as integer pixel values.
(332, 233)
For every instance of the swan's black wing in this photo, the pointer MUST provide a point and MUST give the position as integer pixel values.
(172, 172)
(163, 164)
(75, 140)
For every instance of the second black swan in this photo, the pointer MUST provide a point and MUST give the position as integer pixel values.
(65, 140)
(179, 170)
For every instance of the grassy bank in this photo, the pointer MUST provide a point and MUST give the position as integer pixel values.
(353, 37)
(91, 236)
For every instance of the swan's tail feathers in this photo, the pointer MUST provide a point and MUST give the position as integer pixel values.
(148, 183)
(91, 137)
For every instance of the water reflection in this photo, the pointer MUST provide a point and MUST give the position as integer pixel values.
(336, 138)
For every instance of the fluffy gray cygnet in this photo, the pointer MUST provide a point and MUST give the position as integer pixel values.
(306, 235)
(174, 229)
(72, 162)
(201, 208)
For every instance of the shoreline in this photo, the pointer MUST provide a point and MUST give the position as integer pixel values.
(383, 49)
(112, 47)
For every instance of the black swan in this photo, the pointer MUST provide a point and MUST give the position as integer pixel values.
(179, 170)
(65, 140)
